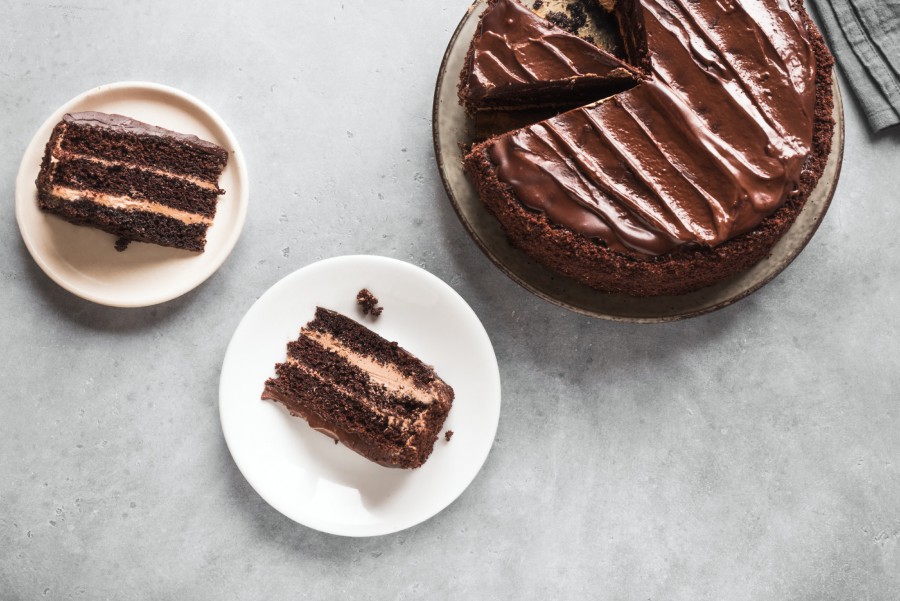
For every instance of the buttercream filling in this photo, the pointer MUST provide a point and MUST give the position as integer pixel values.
(392, 379)
(127, 203)
(406, 424)
(59, 153)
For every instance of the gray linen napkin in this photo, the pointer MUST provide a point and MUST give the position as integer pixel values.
(865, 38)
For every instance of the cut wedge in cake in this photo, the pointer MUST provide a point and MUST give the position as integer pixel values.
(519, 61)
(133, 180)
(362, 390)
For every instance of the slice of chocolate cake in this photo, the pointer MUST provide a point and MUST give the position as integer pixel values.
(362, 390)
(519, 61)
(133, 180)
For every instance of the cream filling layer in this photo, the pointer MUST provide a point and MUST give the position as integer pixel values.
(187, 178)
(58, 153)
(127, 203)
(392, 379)
(391, 419)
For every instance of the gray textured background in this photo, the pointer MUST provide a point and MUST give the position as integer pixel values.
(748, 454)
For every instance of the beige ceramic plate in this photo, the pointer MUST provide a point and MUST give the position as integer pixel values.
(83, 260)
(451, 131)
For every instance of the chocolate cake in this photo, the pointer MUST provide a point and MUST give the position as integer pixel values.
(520, 61)
(684, 179)
(136, 181)
(362, 390)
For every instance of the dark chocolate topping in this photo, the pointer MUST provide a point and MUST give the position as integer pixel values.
(701, 152)
(133, 126)
(515, 46)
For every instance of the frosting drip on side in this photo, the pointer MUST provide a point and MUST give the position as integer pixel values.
(706, 148)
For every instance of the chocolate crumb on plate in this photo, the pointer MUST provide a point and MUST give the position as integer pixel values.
(122, 244)
(369, 303)
(448, 435)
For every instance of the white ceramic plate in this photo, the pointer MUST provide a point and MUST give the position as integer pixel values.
(452, 134)
(304, 474)
(83, 260)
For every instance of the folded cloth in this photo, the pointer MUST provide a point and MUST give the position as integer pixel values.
(865, 40)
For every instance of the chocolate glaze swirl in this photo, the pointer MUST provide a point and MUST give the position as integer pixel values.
(712, 142)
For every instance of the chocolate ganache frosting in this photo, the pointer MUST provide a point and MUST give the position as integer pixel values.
(133, 126)
(711, 142)
(514, 49)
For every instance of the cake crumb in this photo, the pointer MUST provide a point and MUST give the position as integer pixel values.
(537, 4)
(448, 435)
(122, 244)
(369, 303)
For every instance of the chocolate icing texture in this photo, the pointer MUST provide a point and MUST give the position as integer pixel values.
(515, 47)
(710, 143)
(116, 122)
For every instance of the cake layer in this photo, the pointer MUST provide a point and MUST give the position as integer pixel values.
(356, 376)
(304, 396)
(362, 390)
(121, 139)
(118, 216)
(365, 342)
(520, 59)
(561, 95)
(316, 392)
(118, 180)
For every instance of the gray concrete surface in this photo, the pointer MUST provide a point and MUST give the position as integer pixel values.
(749, 454)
